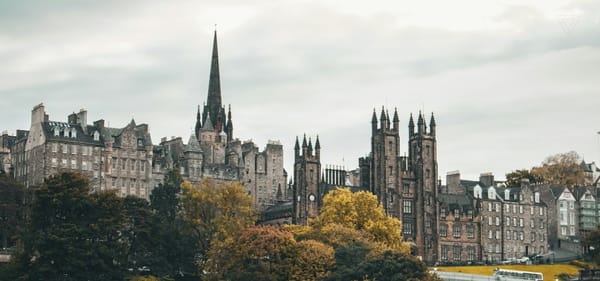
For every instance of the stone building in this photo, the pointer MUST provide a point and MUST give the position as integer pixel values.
(6, 142)
(112, 158)
(406, 186)
(213, 152)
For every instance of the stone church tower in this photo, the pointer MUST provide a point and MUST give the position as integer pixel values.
(407, 187)
(307, 178)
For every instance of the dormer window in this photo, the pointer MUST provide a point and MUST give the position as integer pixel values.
(140, 142)
(506, 194)
(73, 133)
(491, 193)
(56, 132)
(477, 191)
(537, 197)
(96, 136)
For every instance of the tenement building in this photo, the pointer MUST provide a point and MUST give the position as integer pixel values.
(112, 158)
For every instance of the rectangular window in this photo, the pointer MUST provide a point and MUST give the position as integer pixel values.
(521, 235)
(497, 220)
(571, 205)
(114, 182)
(515, 221)
(64, 163)
(123, 164)
(532, 223)
(456, 214)
(532, 236)
(54, 147)
(497, 207)
(514, 209)
(407, 228)
(443, 230)
(489, 207)
(490, 234)
(541, 223)
(142, 165)
(73, 164)
(114, 162)
(490, 222)
(444, 253)
(532, 210)
(470, 253)
(572, 229)
(64, 148)
(443, 213)
(507, 208)
(133, 162)
(456, 253)
(407, 206)
(507, 221)
(521, 222)
(508, 235)
(541, 211)
(74, 149)
(498, 233)
(84, 165)
(456, 230)
(520, 209)
(54, 162)
(470, 231)
(123, 182)
(571, 219)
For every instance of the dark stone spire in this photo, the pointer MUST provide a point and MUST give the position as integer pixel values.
(229, 125)
(396, 119)
(383, 119)
(317, 143)
(214, 84)
(432, 125)
(411, 125)
(421, 123)
(198, 123)
(297, 146)
(304, 142)
(374, 121)
(310, 147)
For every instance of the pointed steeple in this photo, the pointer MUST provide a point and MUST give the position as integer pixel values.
(396, 119)
(387, 116)
(383, 119)
(198, 123)
(297, 148)
(229, 125)
(411, 125)
(317, 148)
(214, 83)
(374, 121)
(304, 142)
(432, 125)
(421, 123)
(310, 147)
(304, 146)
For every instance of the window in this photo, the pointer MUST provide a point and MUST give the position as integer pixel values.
(64, 148)
(123, 164)
(456, 252)
(532, 210)
(456, 214)
(443, 230)
(74, 149)
(571, 205)
(498, 234)
(84, 165)
(490, 234)
(507, 208)
(521, 235)
(572, 229)
(407, 206)
(490, 221)
(532, 236)
(532, 223)
(54, 147)
(520, 209)
(54, 162)
(470, 253)
(514, 209)
(489, 207)
(563, 230)
(133, 165)
(114, 182)
(407, 228)
(541, 223)
(456, 230)
(497, 220)
(521, 222)
(114, 162)
(96, 136)
(497, 207)
(73, 164)
(444, 252)
(514, 235)
(515, 221)
(123, 182)
(443, 212)
(541, 211)
(470, 231)
(142, 165)
(508, 235)
(64, 163)
(507, 221)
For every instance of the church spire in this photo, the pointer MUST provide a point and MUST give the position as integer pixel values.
(214, 84)
(198, 123)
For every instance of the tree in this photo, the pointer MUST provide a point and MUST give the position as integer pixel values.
(12, 211)
(591, 245)
(139, 233)
(73, 235)
(361, 211)
(216, 213)
(260, 253)
(562, 169)
(513, 179)
(175, 248)
(314, 261)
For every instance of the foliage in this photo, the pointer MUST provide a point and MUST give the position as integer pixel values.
(592, 242)
(175, 247)
(513, 179)
(216, 213)
(73, 235)
(360, 211)
(260, 253)
(314, 261)
(12, 211)
(562, 169)
(139, 232)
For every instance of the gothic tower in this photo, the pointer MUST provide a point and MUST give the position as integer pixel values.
(423, 164)
(213, 110)
(385, 169)
(307, 175)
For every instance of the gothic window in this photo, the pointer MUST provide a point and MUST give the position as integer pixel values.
(96, 136)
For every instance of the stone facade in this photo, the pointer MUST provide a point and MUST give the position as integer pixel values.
(111, 158)
(307, 197)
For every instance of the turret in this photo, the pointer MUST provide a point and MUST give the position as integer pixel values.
(310, 147)
(432, 125)
(383, 119)
(317, 148)
(229, 125)
(374, 121)
(396, 120)
(198, 123)
(297, 148)
(304, 146)
(411, 126)
(421, 124)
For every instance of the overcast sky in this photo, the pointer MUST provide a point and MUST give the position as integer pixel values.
(510, 82)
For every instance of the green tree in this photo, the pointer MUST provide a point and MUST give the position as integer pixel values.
(175, 247)
(12, 211)
(73, 235)
(139, 232)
